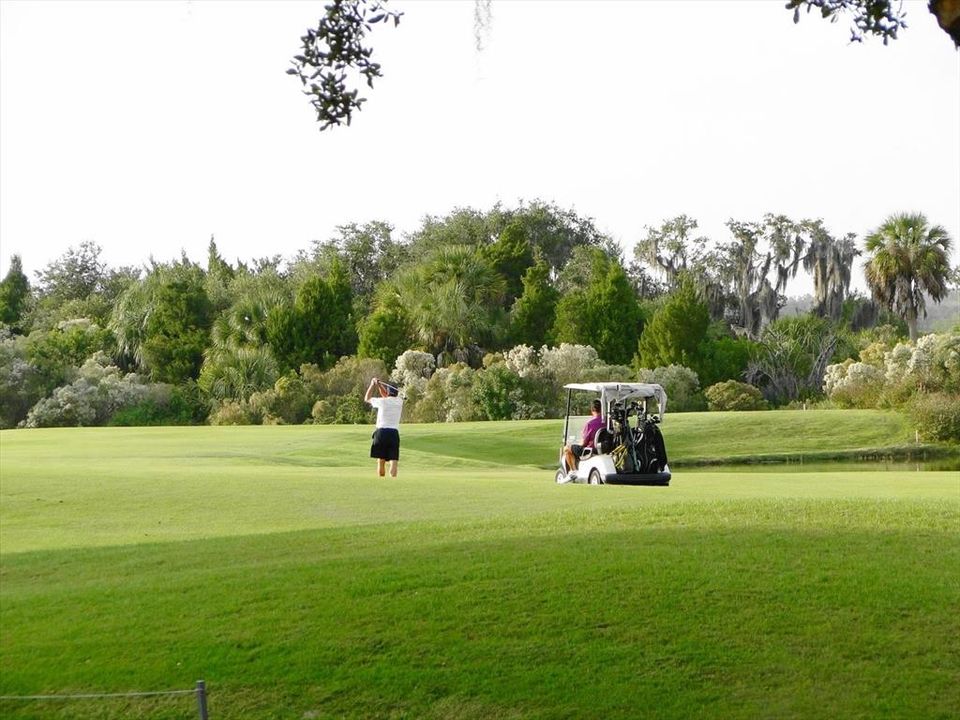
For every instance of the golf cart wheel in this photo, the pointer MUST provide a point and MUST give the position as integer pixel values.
(561, 476)
(595, 478)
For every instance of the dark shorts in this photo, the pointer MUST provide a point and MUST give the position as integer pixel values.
(578, 450)
(386, 444)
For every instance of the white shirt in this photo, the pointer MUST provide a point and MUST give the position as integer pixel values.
(388, 411)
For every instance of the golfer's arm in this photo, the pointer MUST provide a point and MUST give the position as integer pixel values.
(366, 398)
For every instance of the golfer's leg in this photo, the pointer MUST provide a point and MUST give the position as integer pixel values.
(381, 467)
(393, 468)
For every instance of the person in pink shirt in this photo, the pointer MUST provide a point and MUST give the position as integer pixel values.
(596, 421)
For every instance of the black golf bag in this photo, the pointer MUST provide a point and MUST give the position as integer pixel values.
(649, 449)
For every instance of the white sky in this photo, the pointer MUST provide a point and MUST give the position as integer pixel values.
(148, 126)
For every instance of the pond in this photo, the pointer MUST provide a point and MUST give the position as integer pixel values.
(951, 463)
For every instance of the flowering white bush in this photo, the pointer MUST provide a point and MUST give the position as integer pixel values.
(936, 362)
(835, 375)
(950, 357)
(922, 358)
(607, 373)
(99, 391)
(874, 353)
(853, 384)
(446, 397)
(413, 368)
(18, 380)
(897, 361)
(932, 365)
(523, 360)
(568, 363)
(681, 384)
(458, 385)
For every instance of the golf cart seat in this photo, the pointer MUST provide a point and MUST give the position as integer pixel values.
(602, 444)
(603, 441)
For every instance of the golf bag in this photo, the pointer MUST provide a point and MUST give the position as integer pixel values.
(621, 440)
(650, 452)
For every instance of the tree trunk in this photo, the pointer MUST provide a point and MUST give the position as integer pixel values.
(912, 323)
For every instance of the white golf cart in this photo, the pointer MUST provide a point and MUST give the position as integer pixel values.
(623, 453)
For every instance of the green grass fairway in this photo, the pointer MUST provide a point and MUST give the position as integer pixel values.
(271, 562)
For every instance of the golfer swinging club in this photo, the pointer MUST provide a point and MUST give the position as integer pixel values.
(386, 438)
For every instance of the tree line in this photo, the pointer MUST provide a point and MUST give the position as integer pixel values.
(501, 299)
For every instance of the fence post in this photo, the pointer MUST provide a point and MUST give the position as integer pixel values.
(202, 699)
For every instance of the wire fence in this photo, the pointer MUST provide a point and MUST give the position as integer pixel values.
(200, 691)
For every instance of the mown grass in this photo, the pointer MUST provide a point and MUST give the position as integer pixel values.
(273, 564)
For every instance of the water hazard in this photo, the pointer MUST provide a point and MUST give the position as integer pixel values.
(873, 465)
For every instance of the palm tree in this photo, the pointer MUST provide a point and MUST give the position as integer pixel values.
(235, 373)
(451, 299)
(244, 323)
(909, 258)
(129, 318)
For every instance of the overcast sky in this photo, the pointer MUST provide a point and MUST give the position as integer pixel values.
(148, 126)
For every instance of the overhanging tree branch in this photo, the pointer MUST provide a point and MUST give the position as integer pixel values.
(331, 50)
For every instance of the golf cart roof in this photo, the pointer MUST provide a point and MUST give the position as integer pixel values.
(609, 391)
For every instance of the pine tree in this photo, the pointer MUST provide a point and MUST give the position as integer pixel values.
(676, 331)
(510, 256)
(14, 293)
(533, 314)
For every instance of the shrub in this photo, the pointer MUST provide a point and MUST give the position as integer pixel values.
(99, 392)
(887, 335)
(148, 412)
(853, 384)
(288, 402)
(523, 360)
(607, 373)
(57, 353)
(897, 363)
(873, 353)
(734, 395)
(413, 368)
(446, 397)
(930, 365)
(568, 362)
(235, 412)
(936, 362)
(350, 376)
(724, 358)
(337, 394)
(342, 410)
(680, 383)
(179, 405)
(20, 386)
(937, 416)
(501, 394)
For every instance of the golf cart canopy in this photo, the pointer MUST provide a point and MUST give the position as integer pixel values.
(613, 391)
